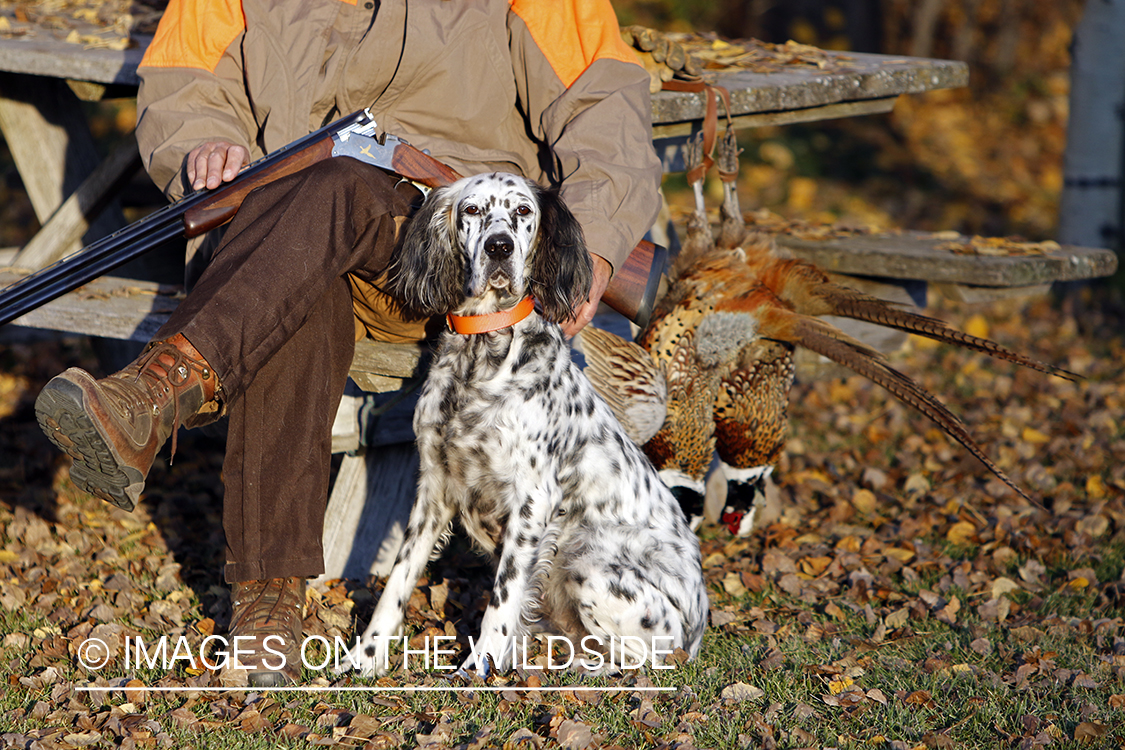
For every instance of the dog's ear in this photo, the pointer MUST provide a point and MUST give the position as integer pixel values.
(561, 271)
(426, 275)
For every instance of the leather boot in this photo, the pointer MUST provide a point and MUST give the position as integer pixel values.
(113, 427)
(265, 629)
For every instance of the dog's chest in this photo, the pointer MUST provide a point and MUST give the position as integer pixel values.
(491, 398)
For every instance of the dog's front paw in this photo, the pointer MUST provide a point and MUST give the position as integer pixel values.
(370, 657)
(481, 664)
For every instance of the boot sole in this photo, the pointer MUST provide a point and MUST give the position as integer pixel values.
(97, 469)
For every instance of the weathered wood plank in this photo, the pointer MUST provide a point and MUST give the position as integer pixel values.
(852, 77)
(862, 76)
(45, 56)
(915, 255)
(367, 512)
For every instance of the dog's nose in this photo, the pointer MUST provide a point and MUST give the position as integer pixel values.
(498, 245)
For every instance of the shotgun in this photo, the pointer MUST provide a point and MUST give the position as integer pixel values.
(631, 292)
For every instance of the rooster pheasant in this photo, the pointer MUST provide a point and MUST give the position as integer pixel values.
(712, 371)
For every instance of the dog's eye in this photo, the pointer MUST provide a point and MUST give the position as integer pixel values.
(523, 210)
(471, 210)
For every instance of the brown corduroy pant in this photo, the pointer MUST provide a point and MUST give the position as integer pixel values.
(273, 316)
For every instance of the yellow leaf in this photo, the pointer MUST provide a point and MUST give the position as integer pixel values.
(1080, 582)
(961, 532)
(864, 501)
(713, 559)
(1095, 487)
(732, 584)
(899, 553)
(838, 686)
(1034, 436)
(7, 556)
(977, 326)
(814, 566)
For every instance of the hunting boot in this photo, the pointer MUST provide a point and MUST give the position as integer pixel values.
(265, 633)
(113, 427)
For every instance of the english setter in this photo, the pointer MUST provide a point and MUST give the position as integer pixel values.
(589, 543)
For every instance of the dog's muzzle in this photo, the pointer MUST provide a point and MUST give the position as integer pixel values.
(499, 246)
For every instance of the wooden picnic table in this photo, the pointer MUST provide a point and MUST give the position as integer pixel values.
(43, 77)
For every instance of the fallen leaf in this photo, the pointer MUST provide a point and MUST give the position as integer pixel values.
(574, 735)
(1089, 731)
(961, 533)
(732, 584)
(740, 692)
(898, 618)
(920, 698)
(864, 501)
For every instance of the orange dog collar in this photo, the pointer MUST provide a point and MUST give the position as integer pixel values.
(468, 324)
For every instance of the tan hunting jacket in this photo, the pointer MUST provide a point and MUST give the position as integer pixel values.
(545, 88)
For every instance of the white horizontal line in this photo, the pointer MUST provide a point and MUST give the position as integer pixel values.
(369, 689)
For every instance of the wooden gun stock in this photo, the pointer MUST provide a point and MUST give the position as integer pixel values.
(223, 203)
(634, 287)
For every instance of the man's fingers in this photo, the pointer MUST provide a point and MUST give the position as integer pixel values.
(213, 163)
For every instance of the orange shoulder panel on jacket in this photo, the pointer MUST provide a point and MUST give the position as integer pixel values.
(572, 34)
(194, 34)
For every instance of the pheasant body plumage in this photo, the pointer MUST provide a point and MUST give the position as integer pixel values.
(723, 337)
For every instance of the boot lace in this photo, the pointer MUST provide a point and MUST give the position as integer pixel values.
(176, 376)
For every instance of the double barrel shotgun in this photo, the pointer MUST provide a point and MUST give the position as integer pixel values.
(631, 292)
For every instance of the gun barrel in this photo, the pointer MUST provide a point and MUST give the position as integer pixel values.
(162, 226)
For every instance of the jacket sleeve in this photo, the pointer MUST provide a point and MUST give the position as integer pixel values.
(588, 102)
(191, 88)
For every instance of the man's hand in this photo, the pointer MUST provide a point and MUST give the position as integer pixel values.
(215, 162)
(585, 312)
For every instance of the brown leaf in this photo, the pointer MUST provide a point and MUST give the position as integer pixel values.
(1084, 680)
(937, 740)
(898, 618)
(948, 613)
(982, 646)
(920, 698)
(1089, 731)
(877, 695)
(574, 735)
(995, 610)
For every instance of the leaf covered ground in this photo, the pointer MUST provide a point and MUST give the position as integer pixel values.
(897, 596)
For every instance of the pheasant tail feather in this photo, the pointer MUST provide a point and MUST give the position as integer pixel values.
(811, 334)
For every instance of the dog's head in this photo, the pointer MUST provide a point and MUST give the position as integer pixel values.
(483, 243)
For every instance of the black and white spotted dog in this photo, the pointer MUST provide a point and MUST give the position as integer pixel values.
(590, 544)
